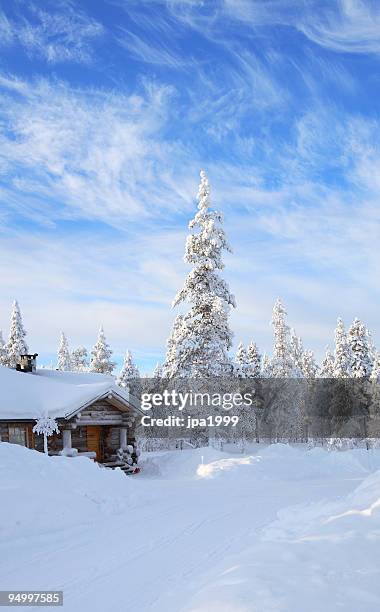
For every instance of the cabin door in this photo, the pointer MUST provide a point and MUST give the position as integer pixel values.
(94, 441)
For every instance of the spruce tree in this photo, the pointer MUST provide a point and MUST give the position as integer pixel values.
(327, 366)
(361, 363)
(241, 367)
(16, 344)
(254, 360)
(200, 340)
(309, 367)
(79, 359)
(64, 360)
(101, 355)
(281, 365)
(172, 366)
(128, 372)
(342, 352)
(296, 352)
(267, 370)
(157, 372)
(375, 372)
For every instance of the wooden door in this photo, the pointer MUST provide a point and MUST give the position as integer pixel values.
(94, 436)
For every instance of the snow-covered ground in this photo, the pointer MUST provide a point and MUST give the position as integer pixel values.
(280, 529)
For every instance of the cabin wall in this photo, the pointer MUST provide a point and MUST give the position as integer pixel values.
(26, 426)
(4, 432)
(79, 439)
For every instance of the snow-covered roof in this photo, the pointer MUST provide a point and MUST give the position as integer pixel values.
(58, 394)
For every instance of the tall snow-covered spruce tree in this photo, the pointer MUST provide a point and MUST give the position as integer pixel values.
(16, 344)
(200, 339)
(101, 355)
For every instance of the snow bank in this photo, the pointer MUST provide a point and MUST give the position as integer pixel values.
(178, 465)
(274, 462)
(39, 493)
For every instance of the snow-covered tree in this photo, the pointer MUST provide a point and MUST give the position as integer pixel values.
(3, 352)
(309, 367)
(371, 347)
(101, 355)
(342, 352)
(157, 372)
(16, 344)
(79, 359)
(254, 360)
(296, 352)
(63, 360)
(375, 373)
(128, 372)
(327, 366)
(171, 365)
(200, 340)
(267, 371)
(46, 426)
(241, 367)
(361, 364)
(282, 364)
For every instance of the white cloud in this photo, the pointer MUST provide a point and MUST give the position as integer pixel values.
(87, 153)
(153, 52)
(64, 35)
(353, 27)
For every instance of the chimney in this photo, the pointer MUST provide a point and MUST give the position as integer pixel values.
(27, 363)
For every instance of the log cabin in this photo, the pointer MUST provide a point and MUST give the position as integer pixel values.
(96, 418)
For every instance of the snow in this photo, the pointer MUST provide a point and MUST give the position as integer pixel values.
(49, 392)
(60, 492)
(280, 529)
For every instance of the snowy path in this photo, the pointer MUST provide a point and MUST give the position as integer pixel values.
(182, 535)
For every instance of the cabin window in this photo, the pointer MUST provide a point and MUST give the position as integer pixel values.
(17, 435)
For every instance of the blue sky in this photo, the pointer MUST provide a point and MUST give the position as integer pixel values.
(108, 110)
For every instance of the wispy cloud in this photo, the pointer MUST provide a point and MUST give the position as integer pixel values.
(64, 35)
(154, 52)
(351, 26)
(87, 153)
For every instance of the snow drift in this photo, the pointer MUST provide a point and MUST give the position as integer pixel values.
(277, 461)
(39, 493)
